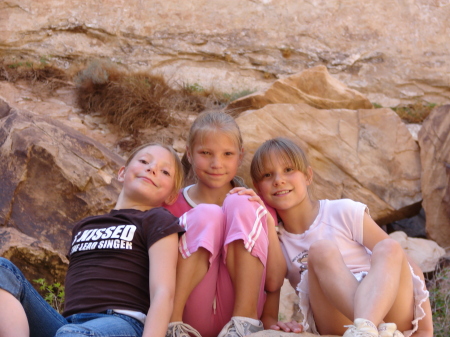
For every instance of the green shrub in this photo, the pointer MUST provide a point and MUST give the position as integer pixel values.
(53, 293)
(440, 301)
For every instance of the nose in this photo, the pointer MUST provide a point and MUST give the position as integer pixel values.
(151, 168)
(278, 179)
(216, 162)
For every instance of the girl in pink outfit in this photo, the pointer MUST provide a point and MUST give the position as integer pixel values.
(351, 278)
(225, 263)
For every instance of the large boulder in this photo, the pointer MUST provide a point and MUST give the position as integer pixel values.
(366, 155)
(239, 45)
(434, 140)
(426, 253)
(52, 176)
(34, 258)
(315, 87)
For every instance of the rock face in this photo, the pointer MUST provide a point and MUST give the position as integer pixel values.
(314, 87)
(243, 45)
(365, 155)
(434, 140)
(34, 258)
(51, 177)
(425, 253)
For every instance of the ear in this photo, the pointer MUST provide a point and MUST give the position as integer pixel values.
(188, 155)
(241, 156)
(309, 175)
(171, 198)
(121, 174)
(255, 184)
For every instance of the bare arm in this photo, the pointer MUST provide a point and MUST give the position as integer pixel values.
(269, 316)
(163, 259)
(276, 264)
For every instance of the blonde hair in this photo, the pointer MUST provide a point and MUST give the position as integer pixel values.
(178, 177)
(214, 121)
(285, 149)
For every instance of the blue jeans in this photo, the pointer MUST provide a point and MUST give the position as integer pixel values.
(44, 321)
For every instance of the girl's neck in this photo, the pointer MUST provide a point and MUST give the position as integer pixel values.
(299, 219)
(202, 194)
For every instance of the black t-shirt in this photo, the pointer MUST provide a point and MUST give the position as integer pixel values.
(109, 264)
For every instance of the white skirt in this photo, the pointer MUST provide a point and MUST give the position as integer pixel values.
(309, 325)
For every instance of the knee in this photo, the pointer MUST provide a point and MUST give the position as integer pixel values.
(234, 202)
(71, 330)
(205, 217)
(389, 250)
(322, 252)
(6, 264)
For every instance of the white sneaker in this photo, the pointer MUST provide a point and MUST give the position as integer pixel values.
(238, 327)
(361, 328)
(180, 329)
(389, 330)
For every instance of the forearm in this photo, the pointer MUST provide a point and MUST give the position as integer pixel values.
(276, 265)
(269, 315)
(158, 315)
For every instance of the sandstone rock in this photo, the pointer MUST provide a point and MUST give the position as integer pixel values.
(314, 87)
(245, 45)
(51, 177)
(365, 155)
(434, 140)
(425, 253)
(34, 258)
(289, 309)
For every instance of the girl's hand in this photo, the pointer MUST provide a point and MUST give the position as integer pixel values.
(291, 326)
(248, 191)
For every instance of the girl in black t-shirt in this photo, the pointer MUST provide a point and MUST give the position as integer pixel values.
(121, 275)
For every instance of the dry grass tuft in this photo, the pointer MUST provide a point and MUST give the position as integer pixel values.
(131, 101)
(416, 112)
(439, 288)
(45, 76)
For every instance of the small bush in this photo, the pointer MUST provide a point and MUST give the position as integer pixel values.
(131, 101)
(415, 113)
(48, 76)
(53, 293)
(439, 288)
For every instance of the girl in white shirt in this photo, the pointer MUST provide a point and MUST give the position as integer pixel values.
(351, 278)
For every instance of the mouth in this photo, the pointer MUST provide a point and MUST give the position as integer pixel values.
(215, 174)
(281, 193)
(148, 180)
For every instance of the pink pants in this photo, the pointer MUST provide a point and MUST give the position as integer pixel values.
(210, 305)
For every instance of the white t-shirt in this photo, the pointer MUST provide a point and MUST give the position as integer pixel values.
(340, 221)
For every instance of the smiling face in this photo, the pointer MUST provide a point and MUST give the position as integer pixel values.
(281, 184)
(215, 159)
(148, 179)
